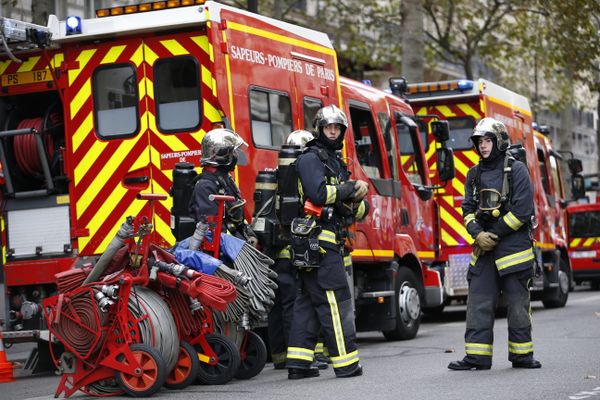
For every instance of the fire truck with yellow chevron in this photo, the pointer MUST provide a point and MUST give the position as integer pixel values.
(463, 103)
(87, 105)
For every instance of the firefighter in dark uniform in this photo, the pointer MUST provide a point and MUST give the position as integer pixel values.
(324, 301)
(220, 151)
(497, 211)
(280, 316)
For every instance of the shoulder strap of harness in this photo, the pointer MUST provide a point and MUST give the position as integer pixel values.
(506, 180)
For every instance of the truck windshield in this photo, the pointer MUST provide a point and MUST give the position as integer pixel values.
(461, 129)
(584, 224)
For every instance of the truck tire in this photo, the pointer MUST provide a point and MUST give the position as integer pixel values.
(408, 306)
(558, 297)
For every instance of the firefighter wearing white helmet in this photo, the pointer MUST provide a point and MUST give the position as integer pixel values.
(497, 212)
(317, 243)
(299, 138)
(221, 149)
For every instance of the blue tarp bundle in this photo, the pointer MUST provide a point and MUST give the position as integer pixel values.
(197, 260)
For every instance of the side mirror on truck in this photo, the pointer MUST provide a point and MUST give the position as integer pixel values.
(440, 130)
(577, 186)
(575, 166)
(445, 164)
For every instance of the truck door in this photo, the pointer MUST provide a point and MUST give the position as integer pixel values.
(106, 136)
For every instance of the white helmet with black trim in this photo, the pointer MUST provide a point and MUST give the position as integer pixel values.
(299, 138)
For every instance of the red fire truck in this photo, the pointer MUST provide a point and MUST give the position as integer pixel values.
(584, 242)
(89, 104)
(463, 103)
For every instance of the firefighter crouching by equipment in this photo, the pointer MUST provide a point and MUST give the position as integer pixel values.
(498, 209)
(220, 151)
(280, 316)
(324, 301)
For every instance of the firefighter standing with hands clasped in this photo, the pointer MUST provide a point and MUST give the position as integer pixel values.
(220, 151)
(324, 301)
(497, 211)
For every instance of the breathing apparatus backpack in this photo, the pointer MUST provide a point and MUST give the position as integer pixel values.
(182, 223)
(276, 200)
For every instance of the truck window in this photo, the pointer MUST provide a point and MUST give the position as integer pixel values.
(366, 143)
(555, 173)
(461, 129)
(543, 171)
(115, 101)
(390, 143)
(177, 94)
(310, 107)
(410, 155)
(584, 224)
(271, 117)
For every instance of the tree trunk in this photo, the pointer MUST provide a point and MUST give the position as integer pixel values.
(413, 46)
(40, 10)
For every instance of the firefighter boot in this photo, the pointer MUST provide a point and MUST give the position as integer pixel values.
(533, 363)
(462, 365)
(357, 372)
(301, 373)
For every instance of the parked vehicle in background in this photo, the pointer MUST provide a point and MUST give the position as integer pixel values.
(584, 242)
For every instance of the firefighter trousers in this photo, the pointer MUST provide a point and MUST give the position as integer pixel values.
(280, 316)
(484, 288)
(328, 311)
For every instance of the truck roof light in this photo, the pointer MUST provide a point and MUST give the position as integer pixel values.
(143, 7)
(367, 82)
(73, 25)
(445, 86)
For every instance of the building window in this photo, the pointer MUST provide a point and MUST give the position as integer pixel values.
(177, 94)
(115, 101)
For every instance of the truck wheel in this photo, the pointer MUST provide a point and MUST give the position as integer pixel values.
(227, 363)
(152, 376)
(558, 296)
(408, 306)
(253, 353)
(595, 285)
(186, 368)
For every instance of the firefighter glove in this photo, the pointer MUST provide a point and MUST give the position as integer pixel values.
(477, 252)
(360, 190)
(345, 191)
(486, 240)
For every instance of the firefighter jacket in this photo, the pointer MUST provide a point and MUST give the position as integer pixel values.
(218, 181)
(514, 251)
(322, 174)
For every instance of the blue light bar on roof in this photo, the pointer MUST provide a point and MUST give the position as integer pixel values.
(73, 25)
(464, 84)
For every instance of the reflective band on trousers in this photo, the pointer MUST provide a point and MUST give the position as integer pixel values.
(337, 323)
(298, 353)
(284, 254)
(480, 349)
(473, 260)
(520, 348)
(512, 221)
(327, 236)
(514, 259)
(345, 360)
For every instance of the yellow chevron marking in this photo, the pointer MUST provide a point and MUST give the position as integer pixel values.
(113, 54)
(149, 55)
(142, 86)
(448, 239)
(82, 131)
(211, 112)
(29, 64)
(545, 246)
(83, 58)
(3, 247)
(426, 254)
(280, 38)
(162, 227)
(445, 111)
(86, 162)
(211, 53)
(138, 55)
(202, 42)
(456, 225)
(171, 141)
(422, 111)
(174, 47)
(470, 111)
(459, 187)
(460, 166)
(107, 172)
(57, 60)
(81, 97)
(4, 65)
(214, 87)
(575, 242)
(588, 242)
(207, 77)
